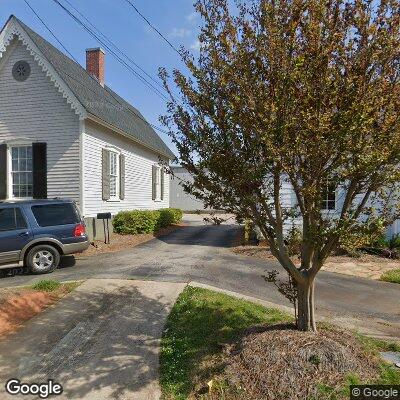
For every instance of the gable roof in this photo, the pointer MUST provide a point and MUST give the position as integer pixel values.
(101, 102)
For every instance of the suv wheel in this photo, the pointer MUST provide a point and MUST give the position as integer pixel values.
(42, 259)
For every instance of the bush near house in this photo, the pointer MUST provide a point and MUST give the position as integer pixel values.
(372, 241)
(392, 276)
(145, 221)
(384, 247)
(170, 216)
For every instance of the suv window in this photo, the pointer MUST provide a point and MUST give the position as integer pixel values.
(56, 214)
(11, 219)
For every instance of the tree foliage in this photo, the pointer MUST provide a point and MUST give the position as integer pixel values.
(294, 93)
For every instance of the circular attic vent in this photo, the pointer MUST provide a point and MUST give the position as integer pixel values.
(21, 71)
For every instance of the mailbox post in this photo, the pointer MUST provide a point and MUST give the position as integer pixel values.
(105, 217)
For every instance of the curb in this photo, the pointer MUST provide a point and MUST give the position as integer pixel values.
(349, 323)
(264, 303)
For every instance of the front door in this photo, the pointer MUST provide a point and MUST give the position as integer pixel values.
(14, 234)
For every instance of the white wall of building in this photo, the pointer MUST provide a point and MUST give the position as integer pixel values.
(138, 171)
(35, 111)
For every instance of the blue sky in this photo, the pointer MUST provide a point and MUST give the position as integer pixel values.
(116, 19)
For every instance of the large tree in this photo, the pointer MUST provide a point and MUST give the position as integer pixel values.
(293, 92)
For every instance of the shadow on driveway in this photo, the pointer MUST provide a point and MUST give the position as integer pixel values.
(206, 235)
(100, 342)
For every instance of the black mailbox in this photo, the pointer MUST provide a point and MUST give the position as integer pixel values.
(105, 217)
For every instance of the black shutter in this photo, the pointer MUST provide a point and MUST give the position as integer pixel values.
(39, 169)
(3, 171)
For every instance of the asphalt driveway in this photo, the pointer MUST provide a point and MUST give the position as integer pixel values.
(200, 253)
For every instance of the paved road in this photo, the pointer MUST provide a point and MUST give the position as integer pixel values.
(200, 253)
(100, 342)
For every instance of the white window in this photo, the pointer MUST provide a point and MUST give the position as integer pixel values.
(114, 175)
(21, 179)
(329, 197)
(157, 183)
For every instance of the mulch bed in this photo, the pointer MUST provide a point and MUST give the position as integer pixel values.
(365, 265)
(279, 362)
(261, 252)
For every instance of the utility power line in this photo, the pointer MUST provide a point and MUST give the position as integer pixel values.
(113, 44)
(113, 53)
(153, 27)
(87, 87)
(51, 32)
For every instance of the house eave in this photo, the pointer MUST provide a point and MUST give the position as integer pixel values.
(113, 128)
(13, 29)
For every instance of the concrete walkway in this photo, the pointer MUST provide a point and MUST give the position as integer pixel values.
(99, 342)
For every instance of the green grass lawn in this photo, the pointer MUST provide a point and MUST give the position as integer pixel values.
(391, 276)
(48, 285)
(201, 321)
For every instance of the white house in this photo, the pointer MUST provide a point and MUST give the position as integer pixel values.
(331, 204)
(178, 198)
(64, 133)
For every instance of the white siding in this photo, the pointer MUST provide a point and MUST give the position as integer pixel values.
(138, 171)
(288, 201)
(395, 228)
(36, 110)
(178, 197)
(287, 192)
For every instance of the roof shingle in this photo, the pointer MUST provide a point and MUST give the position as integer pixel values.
(102, 102)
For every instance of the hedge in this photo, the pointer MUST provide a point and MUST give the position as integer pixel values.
(137, 221)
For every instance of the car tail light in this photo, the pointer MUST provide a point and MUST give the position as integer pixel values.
(79, 230)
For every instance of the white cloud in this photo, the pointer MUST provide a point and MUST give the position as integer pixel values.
(180, 32)
(195, 45)
(191, 17)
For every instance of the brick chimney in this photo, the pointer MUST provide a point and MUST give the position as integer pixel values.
(95, 63)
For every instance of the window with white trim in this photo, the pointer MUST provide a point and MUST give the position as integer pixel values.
(329, 197)
(114, 175)
(21, 171)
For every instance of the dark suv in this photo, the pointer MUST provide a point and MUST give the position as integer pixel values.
(35, 233)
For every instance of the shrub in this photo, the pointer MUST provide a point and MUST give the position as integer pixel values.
(133, 222)
(137, 221)
(383, 247)
(293, 241)
(355, 241)
(394, 242)
(166, 218)
(391, 276)
(169, 216)
(177, 214)
(381, 242)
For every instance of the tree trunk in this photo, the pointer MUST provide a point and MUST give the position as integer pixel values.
(305, 306)
(312, 307)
